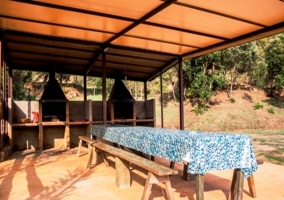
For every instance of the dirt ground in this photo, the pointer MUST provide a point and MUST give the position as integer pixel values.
(57, 174)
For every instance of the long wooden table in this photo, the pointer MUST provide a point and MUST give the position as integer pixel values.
(204, 151)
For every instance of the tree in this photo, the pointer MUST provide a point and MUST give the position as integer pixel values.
(20, 77)
(238, 60)
(274, 56)
(202, 79)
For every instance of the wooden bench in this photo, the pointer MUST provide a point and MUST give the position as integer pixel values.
(89, 141)
(156, 171)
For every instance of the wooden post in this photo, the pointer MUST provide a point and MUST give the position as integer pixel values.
(10, 120)
(104, 88)
(199, 178)
(122, 173)
(40, 133)
(145, 91)
(2, 107)
(90, 118)
(67, 128)
(85, 87)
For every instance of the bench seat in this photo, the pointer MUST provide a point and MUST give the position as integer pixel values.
(156, 171)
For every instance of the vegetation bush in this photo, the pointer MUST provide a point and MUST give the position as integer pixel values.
(271, 110)
(258, 105)
(232, 100)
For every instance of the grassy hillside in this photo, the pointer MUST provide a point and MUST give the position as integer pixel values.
(223, 115)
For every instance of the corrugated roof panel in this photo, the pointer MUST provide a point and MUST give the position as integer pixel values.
(257, 11)
(56, 31)
(61, 17)
(203, 22)
(151, 45)
(131, 9)
(172, 36)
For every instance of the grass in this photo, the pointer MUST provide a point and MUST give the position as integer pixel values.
(267, 139)
(91, 97)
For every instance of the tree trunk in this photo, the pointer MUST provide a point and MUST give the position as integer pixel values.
(61, 78)
(174, 94)
(232, 82)
(141, 91)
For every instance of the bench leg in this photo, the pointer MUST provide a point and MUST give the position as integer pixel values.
(236, 192)
(251, 186)
(105, 159)
(97, 151)
(79, 148)
(152, 179)
(90, 147)
(122, 173)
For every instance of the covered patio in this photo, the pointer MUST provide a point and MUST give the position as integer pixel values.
(141, 40)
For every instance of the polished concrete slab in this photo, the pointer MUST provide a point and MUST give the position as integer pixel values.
(59, 174)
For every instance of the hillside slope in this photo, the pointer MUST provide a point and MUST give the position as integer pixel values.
(223, 115)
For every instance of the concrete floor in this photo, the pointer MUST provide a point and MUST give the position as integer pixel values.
(59, 174)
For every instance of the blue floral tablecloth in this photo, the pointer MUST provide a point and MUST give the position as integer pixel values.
(205, 151)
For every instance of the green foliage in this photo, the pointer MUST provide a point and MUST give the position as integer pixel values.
(20, 77)
(274, 56)
(271, 110)
(232, 100)
(19, 92)
(199, 109)
(258, 105)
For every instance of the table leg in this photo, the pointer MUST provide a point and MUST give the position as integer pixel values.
(251, 186)
(237, 185)
(187, 176)
(199, 179)
(172, 165)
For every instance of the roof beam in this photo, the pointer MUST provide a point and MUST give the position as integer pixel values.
(136, 57)
(129, 64)
(45, 37)
(142, 19)
(166, 67)
(45, 54)
(128, 28)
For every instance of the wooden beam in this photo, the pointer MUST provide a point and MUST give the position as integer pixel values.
(145, 91)
(85, 88)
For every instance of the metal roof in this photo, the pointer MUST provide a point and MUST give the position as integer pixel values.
(142, 38)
